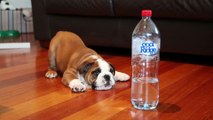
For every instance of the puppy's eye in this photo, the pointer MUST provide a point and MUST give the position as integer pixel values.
(112, 71)
(96, 72)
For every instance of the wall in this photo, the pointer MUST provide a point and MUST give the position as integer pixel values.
(21, 3)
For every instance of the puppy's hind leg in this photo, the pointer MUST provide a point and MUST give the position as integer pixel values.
(51, 73)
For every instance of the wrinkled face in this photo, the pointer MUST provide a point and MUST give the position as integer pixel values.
(98, 74)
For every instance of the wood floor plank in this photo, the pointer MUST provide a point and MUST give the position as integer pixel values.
(109, 107)
(176, 74)
(36, 105)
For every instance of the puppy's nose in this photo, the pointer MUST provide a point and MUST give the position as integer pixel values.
(107, 77)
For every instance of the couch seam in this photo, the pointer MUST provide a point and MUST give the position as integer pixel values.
(112, 7)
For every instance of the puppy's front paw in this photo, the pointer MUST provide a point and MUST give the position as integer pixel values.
(51, 74)
(77, 86)
(119, 76)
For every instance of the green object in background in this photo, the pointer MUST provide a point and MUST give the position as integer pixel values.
(9, 33)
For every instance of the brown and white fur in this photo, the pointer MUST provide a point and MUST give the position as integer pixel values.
(81, 66)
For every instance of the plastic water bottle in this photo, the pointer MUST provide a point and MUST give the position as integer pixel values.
(145, 59)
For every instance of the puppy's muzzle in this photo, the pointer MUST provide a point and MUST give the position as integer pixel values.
(107, 80)
(107, 83)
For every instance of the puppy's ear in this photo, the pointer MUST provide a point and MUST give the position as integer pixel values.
(112, 69)
(85, 67)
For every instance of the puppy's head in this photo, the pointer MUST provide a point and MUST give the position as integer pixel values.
(98, 73)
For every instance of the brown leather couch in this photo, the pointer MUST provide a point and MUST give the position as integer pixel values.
(186, 26)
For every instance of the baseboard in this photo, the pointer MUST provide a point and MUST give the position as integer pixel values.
(14, 45)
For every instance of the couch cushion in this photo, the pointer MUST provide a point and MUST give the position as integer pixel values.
(178, 9)
(80, 7)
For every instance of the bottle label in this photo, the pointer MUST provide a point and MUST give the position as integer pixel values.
(148, 48)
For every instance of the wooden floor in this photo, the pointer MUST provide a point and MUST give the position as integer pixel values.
(186, 91)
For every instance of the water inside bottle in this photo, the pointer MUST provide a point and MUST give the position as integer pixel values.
(145, 94)
(145, 86)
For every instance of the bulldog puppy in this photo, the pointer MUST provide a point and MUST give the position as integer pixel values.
(82, 67)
